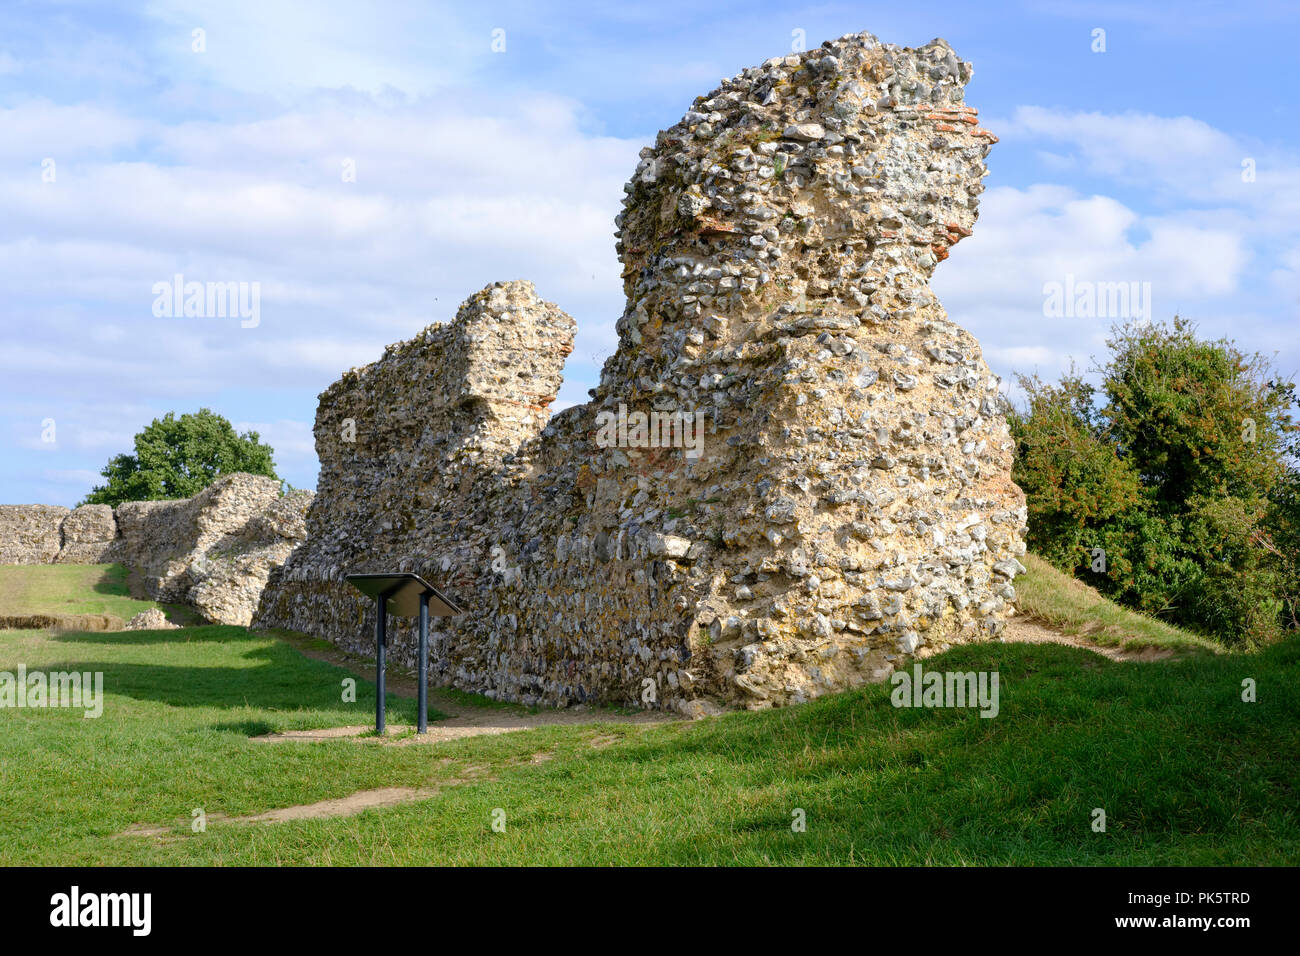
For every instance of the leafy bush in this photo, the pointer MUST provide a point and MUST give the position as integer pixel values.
(1076, 484)
(1284, 535)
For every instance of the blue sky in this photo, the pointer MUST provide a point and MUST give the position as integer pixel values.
(473, 165)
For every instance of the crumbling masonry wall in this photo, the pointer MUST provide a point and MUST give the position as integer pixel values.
(31, 534)
(216, 550)
(852, 503)
(52, 534)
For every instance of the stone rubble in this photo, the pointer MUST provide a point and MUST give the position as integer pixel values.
(852, 506)
(150, 620)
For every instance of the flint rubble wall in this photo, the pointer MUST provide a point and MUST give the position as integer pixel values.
(851, 506)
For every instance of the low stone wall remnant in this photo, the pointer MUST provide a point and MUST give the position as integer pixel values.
(213, 551)
(31, 534)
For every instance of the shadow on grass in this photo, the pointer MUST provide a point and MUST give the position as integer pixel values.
(113, 581)
(212, 633)
(279, 679)
(247, 728)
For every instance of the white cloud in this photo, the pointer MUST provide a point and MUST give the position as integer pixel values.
(37, 129)
(460, 183)
(1126, 144)
(1215, 247)
(1181, 159)
(258, 47)
(1025, 238)
(293, 443)
(449, 197)
(994, 282)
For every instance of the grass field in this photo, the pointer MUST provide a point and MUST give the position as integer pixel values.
(1186, 772)
(73, 590)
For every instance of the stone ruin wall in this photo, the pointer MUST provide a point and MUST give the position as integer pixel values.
(52, 534)
(31, 534)
(852, 506)
(213, 551)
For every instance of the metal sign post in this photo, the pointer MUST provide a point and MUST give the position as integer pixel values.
(381, 684)
(422, 695)
(406, 595)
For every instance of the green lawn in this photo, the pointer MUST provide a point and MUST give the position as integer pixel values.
(1186, 772)
(69, 590)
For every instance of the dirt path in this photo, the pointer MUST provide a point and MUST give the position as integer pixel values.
(346, 806)
(463, 720)
(1028, 631)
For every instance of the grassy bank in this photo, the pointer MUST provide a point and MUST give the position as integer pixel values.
(74, 590)
(1067, 605)
(1186, 772)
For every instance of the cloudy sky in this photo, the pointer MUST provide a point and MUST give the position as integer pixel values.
(369, 165)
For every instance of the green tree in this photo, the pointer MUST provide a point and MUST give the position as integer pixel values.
(1205, 426)
(1075, 483)
(179, 457)
(1195, 418)
(1181, 477)
(1283, 539)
